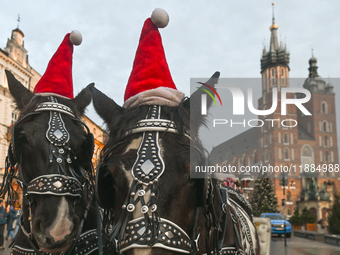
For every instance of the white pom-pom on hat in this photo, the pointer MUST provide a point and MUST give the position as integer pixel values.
(75, 37)
(160, 18)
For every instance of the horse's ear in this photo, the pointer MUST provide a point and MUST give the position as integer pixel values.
(21, 94)
(194, 102)
(83, 99)
(104, 106)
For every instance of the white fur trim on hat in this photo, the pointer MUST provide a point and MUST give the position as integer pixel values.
(160, 96)
(45, 94)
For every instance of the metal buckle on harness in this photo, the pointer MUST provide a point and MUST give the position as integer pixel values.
(196, 241)
(116, 245)
(224, 208)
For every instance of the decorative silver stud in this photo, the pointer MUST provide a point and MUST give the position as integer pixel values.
(144, 209)
(141, 192)
(169, 234)
(153, 208)
(130, 208)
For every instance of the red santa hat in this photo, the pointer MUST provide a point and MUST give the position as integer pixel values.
(150, 81)
(58, 75)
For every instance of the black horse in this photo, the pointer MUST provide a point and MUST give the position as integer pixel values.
(50, 155)
(152, 206)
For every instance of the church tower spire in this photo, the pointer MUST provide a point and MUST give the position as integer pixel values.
(276, 55)
(274, 44)
(313, 68)
(274, 69)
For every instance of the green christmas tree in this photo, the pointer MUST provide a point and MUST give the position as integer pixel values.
(334, 216)
(307, 216)
(296, 219)
(264, 197)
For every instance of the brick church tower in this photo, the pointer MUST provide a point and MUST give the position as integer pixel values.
(275, 137)
(312, 142)
(291, 140)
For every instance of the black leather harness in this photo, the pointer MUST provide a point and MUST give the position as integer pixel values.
(66, 182)
(244, 243)
(151, 230)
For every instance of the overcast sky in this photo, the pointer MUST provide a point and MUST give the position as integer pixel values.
(202, 37)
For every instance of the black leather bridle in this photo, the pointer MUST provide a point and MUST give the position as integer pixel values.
(66, 182)
(150, 230)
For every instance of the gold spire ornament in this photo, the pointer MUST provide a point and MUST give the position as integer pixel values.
(273, 26)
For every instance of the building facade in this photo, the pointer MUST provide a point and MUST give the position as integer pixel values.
(310, 144)
(100, 137)
(14, 58)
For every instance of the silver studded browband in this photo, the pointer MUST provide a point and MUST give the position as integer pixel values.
(159, 125)
(55, 106)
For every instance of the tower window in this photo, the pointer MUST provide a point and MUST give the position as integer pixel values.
(324, 107)
(285, 138)
(325, 126)
(14, 117)
(289, 196)
(327, 159)
(326, 141)
(286, 154)
(273, 77)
